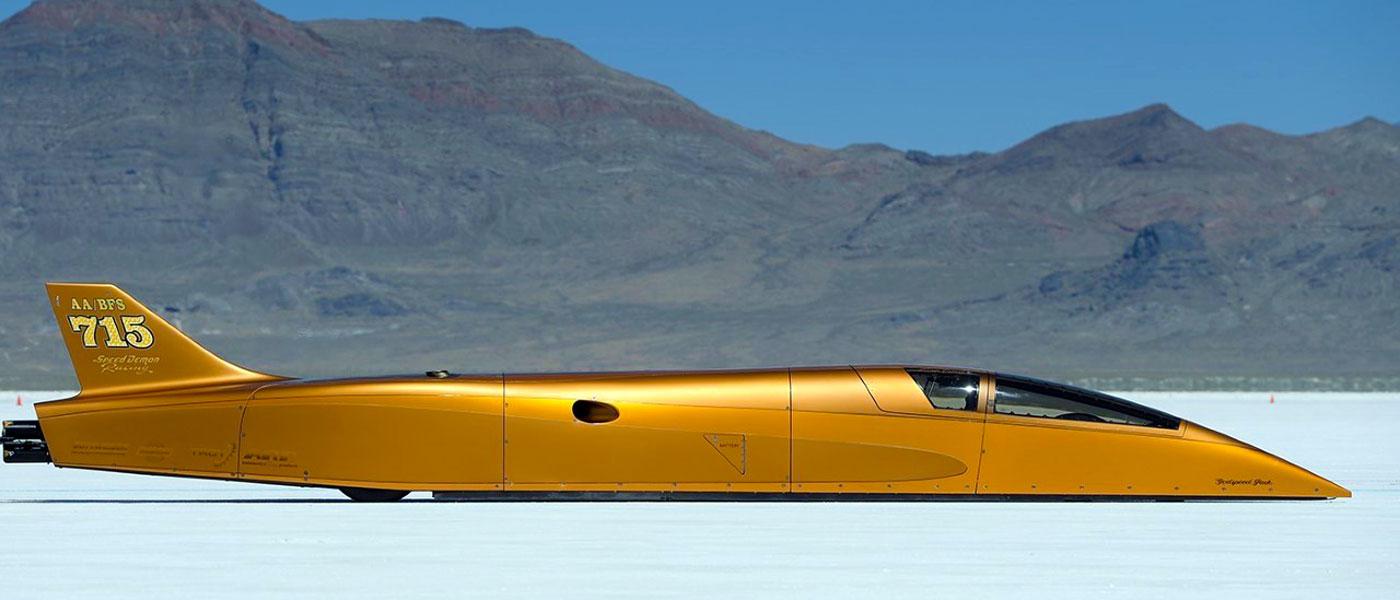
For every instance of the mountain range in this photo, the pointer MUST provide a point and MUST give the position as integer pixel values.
(341, 197)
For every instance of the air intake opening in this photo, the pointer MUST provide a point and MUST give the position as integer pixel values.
(592, 411)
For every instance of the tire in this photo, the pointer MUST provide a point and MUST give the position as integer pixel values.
(369, 495)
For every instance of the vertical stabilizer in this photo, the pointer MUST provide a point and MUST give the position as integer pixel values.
(118, 345)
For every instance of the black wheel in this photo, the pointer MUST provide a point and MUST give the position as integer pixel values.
(368, 495)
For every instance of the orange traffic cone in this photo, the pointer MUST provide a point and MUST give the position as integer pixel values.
(1271, 398)
(19, 400)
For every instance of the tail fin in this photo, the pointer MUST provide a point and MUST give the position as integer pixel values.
(119, 346)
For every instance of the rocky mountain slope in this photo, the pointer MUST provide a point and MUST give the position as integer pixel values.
(338, 197)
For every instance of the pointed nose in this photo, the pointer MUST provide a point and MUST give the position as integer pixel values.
(1290, 480)
(1332, 490)
(1249, 471)
(1311, 485)
(1276, 477)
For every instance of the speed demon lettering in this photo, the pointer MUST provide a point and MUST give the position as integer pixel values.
(124, 331)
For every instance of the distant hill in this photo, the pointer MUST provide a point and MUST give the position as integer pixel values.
(341, 197)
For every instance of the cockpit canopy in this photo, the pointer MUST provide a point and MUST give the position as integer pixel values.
(1028, 397)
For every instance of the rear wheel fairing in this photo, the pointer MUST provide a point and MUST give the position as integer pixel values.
(387, 434)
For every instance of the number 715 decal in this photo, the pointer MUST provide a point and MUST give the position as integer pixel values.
(129, 332)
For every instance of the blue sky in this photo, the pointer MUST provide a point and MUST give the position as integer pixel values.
(959, 76)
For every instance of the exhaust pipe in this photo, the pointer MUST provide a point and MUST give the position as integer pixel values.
(23, 442)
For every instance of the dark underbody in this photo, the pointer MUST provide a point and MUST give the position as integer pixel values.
(375, 495)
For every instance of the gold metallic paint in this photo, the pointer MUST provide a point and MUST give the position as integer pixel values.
(864, 429)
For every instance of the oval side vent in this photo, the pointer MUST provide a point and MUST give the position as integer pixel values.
(592, 411)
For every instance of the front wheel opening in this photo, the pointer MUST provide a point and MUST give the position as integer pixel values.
(368, 495)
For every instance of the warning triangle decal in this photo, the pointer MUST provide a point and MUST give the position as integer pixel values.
(732, 447)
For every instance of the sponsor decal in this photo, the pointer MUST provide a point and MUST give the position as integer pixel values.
(99, 448)
(1251, 482)
(154, 454)
(130, 364)
(214, 456)
(280, 460)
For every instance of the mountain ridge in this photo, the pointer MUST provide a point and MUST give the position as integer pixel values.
(333, 196)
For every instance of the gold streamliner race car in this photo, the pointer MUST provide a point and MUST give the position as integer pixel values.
(153, 401)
